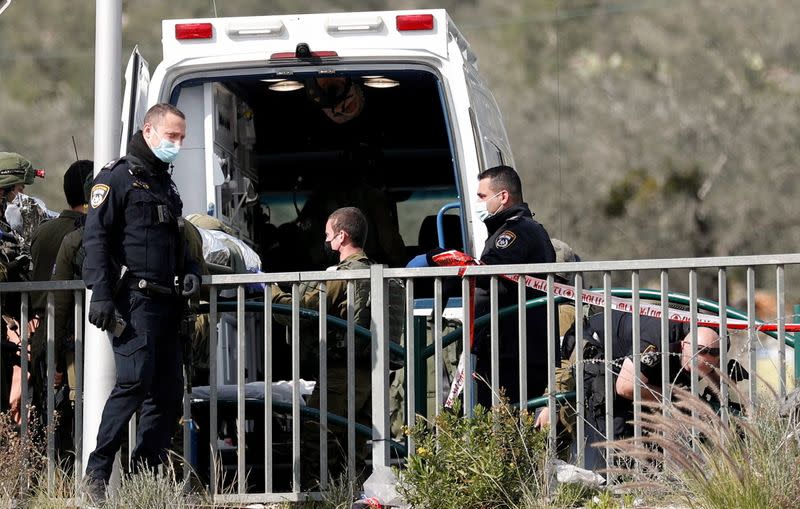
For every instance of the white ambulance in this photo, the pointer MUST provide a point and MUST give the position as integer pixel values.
(289, 117)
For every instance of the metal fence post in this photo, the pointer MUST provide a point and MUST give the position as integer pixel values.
(796, 352)
(420, 379)
(380, 371)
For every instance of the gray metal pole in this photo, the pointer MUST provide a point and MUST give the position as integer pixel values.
(380, 369)
(99, 358)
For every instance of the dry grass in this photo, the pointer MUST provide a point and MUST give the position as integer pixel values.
(750, 461)
(22, 461)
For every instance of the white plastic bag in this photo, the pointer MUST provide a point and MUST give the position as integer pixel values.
(381, 485)
(570, 474)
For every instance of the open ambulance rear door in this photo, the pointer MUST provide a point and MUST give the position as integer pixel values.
(134, 102)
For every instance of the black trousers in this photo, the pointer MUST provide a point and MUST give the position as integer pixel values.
(509, 380)
(148, 359)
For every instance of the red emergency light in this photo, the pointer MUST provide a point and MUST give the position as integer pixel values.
(314, 54)
(184, 31)
(409, 22)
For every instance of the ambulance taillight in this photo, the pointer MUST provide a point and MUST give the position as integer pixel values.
(410, 22)
(188, 31)
(293, 54)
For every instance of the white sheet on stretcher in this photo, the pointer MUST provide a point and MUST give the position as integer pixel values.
(281, 391)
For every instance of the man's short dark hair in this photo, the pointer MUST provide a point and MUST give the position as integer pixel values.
(504, 178)
(74, 178)
(155, 115)
(351, 220)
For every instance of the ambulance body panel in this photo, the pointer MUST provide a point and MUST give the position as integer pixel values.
(209, 66)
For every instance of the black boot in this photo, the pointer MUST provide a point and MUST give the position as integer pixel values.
(94, 490)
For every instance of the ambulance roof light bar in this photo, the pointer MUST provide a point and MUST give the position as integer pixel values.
(188, 31)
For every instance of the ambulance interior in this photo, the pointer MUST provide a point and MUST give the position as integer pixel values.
(287, 163)
(282, 164)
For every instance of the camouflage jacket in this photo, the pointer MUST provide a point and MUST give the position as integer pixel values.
(335, 296)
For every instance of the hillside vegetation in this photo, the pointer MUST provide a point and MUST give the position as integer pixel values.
(641, 128)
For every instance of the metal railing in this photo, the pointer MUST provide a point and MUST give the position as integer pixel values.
(22, 316)
(268, 453)
(437, 340)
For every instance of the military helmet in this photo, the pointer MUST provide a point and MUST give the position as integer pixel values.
(15, 169)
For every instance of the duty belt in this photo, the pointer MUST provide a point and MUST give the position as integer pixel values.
(150, 287)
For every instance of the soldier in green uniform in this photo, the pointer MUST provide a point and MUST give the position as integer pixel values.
(45, 243)
(48, 236)
(14, 169)
(345, 234)
(68, 265)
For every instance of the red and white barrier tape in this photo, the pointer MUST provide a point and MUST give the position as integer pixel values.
(458, 259)
(455, 258)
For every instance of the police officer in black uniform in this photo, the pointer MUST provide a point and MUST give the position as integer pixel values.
(678, 358)
(514, 237)
(135, 257)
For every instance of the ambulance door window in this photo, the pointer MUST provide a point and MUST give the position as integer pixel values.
(488, 125)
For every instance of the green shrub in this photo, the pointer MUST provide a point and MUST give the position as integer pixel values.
(493, 460)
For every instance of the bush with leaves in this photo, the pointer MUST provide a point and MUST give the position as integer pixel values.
(495, 459)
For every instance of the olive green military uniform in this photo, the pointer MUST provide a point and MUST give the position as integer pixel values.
(14, 169)
(45, 245)
(67, 267)
(565, 378)
(336, 297)
(200, 332)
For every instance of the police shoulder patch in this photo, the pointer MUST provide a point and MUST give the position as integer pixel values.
(505, 239)
(98, 195)
(650, 356)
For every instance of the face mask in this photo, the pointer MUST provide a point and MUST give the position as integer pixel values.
(329, 252)
(482, 211)
(331, 255)
(166, 151)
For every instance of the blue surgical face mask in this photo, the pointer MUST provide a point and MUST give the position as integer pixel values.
(481, 210)
(166, 150)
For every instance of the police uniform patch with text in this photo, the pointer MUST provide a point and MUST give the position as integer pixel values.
(99, 195)
(650, 356)
(505, 239)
